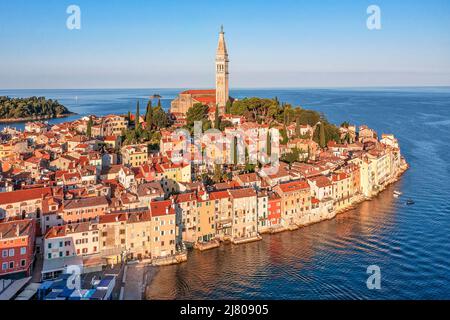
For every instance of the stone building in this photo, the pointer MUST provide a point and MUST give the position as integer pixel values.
(211, 97)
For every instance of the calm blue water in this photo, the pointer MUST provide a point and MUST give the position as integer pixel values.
(411, 244)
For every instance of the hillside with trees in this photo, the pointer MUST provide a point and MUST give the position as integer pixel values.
(274, 113)
(33, 108)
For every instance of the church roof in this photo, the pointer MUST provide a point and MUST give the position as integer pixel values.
(200, 92)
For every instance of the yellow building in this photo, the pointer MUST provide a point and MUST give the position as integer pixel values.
(295, 201)
(342, 186)
(245, 214)
(206, 224)
(135, 155)
(163, 229)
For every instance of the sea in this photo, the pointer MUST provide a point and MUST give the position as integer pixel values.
(408, 244)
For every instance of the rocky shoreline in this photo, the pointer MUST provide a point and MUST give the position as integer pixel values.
(37, 118)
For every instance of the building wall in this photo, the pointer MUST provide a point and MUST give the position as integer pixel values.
(17, 253)
(245, 217)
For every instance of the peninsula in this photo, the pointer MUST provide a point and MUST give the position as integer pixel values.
(29, 109)
(147, 187)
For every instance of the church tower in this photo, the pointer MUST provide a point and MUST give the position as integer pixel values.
(222, 88)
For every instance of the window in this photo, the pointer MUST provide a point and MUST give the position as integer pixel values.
(49, 256)
(11, 265)
(49, 245)
(23, 250)
(4, 253)
(4, 266)
(11, 252)
(23, 262)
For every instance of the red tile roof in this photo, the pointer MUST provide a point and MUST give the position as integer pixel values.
(23, 195)
(9, 229)
(294, 186)
(161, 208)
(194, 92)
(242, 193)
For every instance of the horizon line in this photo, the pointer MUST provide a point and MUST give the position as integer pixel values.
(240, 88)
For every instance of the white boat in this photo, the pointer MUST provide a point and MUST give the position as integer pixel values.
(397, 193)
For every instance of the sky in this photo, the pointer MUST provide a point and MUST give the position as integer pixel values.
(172, 43)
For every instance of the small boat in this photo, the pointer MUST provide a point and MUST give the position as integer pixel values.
(398, 193)
(409, 202)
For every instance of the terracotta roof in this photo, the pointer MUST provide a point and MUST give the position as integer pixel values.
(321, 181)
(184, 197)
(194, 92)
(219, 195)
(161, 208)
(206, 100)
(9, 229)
(242, 193)
(23, 195)
(294, 186)
(86, 202)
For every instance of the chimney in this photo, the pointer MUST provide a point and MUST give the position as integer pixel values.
(1, 235)
(17, 230)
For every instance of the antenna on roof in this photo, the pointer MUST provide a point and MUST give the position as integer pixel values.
(221, 29)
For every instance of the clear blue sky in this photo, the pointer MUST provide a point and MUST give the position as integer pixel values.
(171, 43)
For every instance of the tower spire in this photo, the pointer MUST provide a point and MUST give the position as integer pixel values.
(222, 88)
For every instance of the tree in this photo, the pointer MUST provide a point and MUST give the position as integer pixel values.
(284, 136)
(136, 117)
(160, 119)
(149, 115)
(217, 173)
(322, 137)
(228, 107)
(235, 151)
(217, 119)
(291, 157)
(198, 112)
(89, 127)
(225, 124)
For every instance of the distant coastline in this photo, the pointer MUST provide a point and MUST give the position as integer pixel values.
(37, 118)
(34, 108)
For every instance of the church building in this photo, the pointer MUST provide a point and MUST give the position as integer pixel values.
(212, 98)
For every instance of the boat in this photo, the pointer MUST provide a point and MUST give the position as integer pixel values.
(410, 202)
(398, 193)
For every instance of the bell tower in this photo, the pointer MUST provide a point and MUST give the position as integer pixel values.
(222, 75)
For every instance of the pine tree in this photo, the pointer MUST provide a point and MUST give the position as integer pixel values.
(136, 118)
(217, 119)
(235, 151)
(89, 128)
(228, 107)
(322, 136)
(269, 143)
(149, 115)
